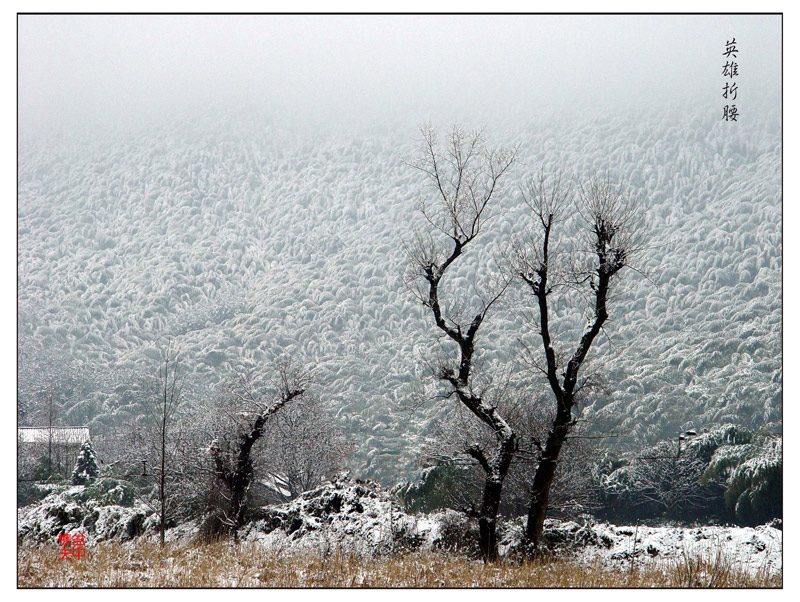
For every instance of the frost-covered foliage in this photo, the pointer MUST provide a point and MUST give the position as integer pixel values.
(103, 510)
(729, 473)
(705, 445)
(438, 487)
(86, 470)
(242, 240)
(754, 478)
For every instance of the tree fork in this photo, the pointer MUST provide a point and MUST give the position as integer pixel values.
(613, 223)
(464, 189)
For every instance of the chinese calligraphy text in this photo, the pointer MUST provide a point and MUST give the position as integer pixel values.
(730, 70)
(72, 545)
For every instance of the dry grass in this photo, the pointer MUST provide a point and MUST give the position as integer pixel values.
(226, 564)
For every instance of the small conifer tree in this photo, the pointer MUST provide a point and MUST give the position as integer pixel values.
(86, 470)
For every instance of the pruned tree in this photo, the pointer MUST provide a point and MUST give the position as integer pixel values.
(244, 412)
(581, 263)
(464, 178)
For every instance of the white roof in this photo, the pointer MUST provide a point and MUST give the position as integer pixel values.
(60, 434)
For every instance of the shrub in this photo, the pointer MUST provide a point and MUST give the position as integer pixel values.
(755, 487)
(86, 470)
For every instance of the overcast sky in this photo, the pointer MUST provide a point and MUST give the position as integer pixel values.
(99, 70)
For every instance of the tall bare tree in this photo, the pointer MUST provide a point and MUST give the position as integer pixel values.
(464, 178)
(585, 266)
(165, 391)
(51, 412)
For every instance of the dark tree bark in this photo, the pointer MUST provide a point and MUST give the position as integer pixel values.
(464, 189)
(612, 234)
(236, 473)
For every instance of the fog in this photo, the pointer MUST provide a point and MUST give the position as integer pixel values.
(103, 71)
(193, 179)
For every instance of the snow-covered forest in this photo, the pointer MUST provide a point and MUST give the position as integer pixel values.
(242, 242)
(250, 253)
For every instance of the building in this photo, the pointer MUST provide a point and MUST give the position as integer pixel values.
(61, 435)
(46, 450)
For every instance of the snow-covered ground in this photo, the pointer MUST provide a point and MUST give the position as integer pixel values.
(355, 517)
(758, 548)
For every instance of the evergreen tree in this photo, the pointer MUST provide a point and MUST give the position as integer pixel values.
(86, 470)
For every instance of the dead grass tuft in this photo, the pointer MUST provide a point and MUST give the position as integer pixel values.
(225, 564)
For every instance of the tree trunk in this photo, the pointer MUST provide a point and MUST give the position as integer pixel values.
(163, 476)
(543, 479)
(487, 522)
(238, 492)
(162, 493)
(490, 504)
(50, 437)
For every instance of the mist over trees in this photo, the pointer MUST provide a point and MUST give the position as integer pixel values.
(303, 265)
(706, 334)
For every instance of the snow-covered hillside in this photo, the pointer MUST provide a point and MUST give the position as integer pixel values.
(243, 240)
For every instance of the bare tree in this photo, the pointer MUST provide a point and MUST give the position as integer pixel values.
(668, 479)
(302, 448)
(585, 269)
(464, 177)
(165, 395)
(51, 410)
(246, 409)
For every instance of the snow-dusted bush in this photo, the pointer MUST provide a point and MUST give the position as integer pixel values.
(438, 487)
(706, 444)
(28, 493)
(754, 478)
(728, 473)
(103, 510)
(663, 481)
(86, 470)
